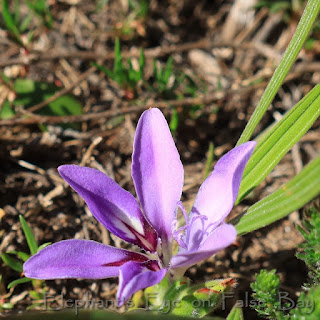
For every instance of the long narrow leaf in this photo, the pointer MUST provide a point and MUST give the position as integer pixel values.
(291, 196)
(168, 70)
(32, 243)
(26, 22)
(280, 140)
(118, 67)
(142, 61)
(309, 15)
(16, 16)
(104, 69)
(22, 255)
(18, 281)
(11, 262)
(9, 20)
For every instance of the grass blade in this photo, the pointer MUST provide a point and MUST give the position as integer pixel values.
(32, 243)
(18, 281)
(209, 161)
(11, 262)
(9, 21)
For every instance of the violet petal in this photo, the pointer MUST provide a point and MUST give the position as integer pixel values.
(157, 171)
(111, 205)
(220, 238)
(219, 192)
(83, 259)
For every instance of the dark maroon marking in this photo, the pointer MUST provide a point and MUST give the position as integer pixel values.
(136, 257)
(150, 264)
(151, 236)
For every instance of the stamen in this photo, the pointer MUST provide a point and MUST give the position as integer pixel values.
(185, 214)
(184, 232)
(210, 228)
(178, 234)
(190, 223)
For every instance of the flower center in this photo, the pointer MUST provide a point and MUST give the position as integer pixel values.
(182, 234)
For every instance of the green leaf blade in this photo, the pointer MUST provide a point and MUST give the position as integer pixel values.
(32, 243)
(9, 21)
(292, 196)
(22, 255)
(18, 281)
(11, 262)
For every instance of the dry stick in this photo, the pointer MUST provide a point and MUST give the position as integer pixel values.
(88, 153)
(206, 99)
(149, 53)
(60, 93)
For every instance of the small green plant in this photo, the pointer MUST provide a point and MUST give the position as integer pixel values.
(19, 28)
(308, 305)
(29, 93)
(164, 81)
(310, 249)
(15, 259)
(41, 9)
(266, 292)
(266, 286)
(124, 74)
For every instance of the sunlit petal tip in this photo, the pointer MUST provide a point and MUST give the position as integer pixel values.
(157, 171)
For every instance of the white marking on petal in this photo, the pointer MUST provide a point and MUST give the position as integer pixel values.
(119, 224)
(133, 222)
(137, 225)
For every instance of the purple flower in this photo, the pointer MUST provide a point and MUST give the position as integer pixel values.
(157, 174)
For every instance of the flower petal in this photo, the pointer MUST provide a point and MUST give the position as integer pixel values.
(157, 171)
(220, 238)
(219, 191)
(135, 276)
(84, 259)
(111, 205)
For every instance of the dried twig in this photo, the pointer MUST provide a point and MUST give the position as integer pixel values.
(160, 51)
(60, 93)
(206, 99)
(88, 153)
